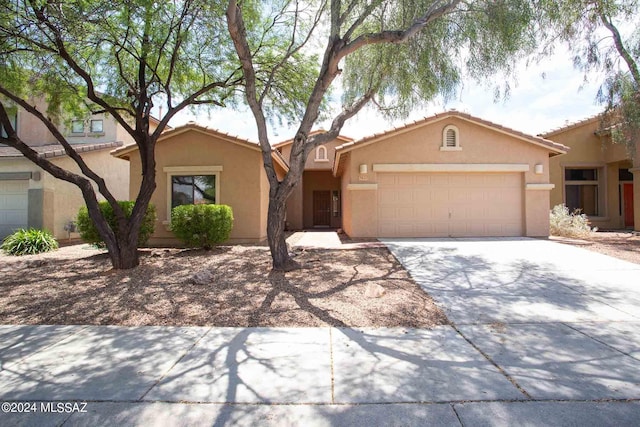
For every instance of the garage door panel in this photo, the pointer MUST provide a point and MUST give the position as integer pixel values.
(14, 204)
(450, 204)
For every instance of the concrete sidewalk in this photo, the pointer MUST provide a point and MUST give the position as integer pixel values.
(276, 376)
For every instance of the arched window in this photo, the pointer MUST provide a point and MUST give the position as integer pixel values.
(321, 154)
(450, 139)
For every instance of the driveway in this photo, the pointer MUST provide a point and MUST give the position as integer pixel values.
(561, 322)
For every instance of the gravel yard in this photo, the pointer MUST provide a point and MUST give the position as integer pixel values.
(618, 244)
(228, 286)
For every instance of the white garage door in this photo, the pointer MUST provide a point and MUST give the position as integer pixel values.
(14, 204)
(450, 204)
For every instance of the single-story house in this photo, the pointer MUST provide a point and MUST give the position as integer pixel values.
(196, 164)
(31, 197)
(451, 174)
(595, 176)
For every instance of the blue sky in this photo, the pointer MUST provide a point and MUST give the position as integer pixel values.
(544, 96)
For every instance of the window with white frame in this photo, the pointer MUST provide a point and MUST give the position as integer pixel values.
(96, 126)
(192, 185)
(583, 190)
(450, 139)
(321, 154)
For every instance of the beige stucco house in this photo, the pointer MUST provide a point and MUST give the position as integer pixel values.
(451, 174)
(195, 164)
(31, 197)
(595, 176)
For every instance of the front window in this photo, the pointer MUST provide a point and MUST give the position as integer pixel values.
(77, 126)
(193, 190)
(96, 126)
(582, 190)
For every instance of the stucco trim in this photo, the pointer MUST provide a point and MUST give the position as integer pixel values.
(540, 187)
(373, 186)
(15, 176)
(634, 170)
(451, 167)
(191, 169)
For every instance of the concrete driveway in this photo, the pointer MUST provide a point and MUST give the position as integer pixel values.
(561, 322)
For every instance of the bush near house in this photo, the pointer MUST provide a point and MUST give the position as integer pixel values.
(29, 242)
(202, 226)
(89, 232)
(569, 224)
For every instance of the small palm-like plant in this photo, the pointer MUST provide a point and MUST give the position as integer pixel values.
(29, 242)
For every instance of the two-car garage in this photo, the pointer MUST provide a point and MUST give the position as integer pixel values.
(450, 204)
(449, 175)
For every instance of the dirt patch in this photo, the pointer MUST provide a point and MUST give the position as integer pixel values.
(618, 244)
(76, 285)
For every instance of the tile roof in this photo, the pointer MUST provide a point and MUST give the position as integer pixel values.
(56, 150)
(571, 125)
(554, 146)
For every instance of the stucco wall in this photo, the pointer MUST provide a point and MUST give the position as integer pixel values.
(591, 150)
(241, 181)
(421, 144)
(66, 198)
(30, 129)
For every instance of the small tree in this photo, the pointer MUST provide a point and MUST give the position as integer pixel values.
(396, 53)
(121, 58)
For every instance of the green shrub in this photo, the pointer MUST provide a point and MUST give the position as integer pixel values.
(89, 232)
(569, 224)
(202, 225)
(29, 242)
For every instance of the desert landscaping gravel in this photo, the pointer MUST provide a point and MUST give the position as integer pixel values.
(228, 286)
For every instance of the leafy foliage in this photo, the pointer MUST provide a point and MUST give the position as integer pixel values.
(569, 224)
(89, 233)
(29, 242)
(202, 225)
(604, 37)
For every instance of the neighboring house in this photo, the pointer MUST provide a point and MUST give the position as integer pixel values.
(595, 176)
(31, 197)
(195, 164)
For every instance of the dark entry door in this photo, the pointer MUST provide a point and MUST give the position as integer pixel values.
(628, 204)
(322, 208)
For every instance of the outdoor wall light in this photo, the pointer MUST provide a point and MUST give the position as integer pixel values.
(363, 168)
(539, 169)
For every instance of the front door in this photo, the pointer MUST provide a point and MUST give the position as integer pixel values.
(322, 208)
(627, 190)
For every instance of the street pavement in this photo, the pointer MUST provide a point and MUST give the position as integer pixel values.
(541, 334)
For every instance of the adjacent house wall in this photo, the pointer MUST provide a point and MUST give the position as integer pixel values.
(421, 144)
(67, 198)
(591, 150)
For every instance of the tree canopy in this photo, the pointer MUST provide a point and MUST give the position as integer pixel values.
(122, 58)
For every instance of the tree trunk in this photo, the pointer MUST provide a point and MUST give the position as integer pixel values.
(125, 256)
(275, 235)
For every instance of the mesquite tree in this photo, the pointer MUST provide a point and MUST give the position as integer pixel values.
(397, 54)
(119, 57)
(604, 37)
